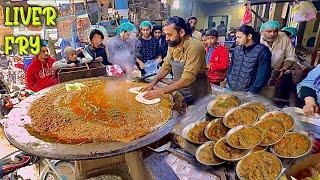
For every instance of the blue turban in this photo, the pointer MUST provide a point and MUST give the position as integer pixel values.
(127, 26)
(293, 31)
(145, 24)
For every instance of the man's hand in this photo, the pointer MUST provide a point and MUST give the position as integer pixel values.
(278, 79)
(99, 59)
(148, 87)
(311, 106)
(282, 71)
(154, 94)
(72, 65)
(285, 67)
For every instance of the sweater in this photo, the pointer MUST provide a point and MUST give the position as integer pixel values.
(40, 75)
(148, 49)
(65, 63)
(218, 64)
(93, 53)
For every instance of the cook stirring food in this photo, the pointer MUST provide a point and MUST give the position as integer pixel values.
(186, 60)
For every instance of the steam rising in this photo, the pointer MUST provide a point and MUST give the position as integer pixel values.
(123, 53)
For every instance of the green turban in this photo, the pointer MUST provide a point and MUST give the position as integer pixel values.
(293, 31)
(270, 25)
(127, 26)
(145, 24)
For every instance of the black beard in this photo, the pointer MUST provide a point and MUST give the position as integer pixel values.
(174, 43)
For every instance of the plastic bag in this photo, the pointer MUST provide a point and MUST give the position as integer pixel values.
(247, 17)
(305, 11)
(150, 67)
(115, 71)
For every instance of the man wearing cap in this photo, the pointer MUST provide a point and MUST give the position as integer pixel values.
(149, 52)
(193, 23)
(186, 60)
(283, 58)
(291, 32)
(40, 73)
(122, 49)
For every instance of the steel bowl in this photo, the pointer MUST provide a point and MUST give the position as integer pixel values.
(287, 157)
(261, 144)
(278, 112)
(237, 128)
(247, 151)
(252, 103)
(240, 162)
(224, 120)
(186, 130)
(211, 103)
(198, 154)
(208, 127)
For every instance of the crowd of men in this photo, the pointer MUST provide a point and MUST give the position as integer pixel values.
(260, 62)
